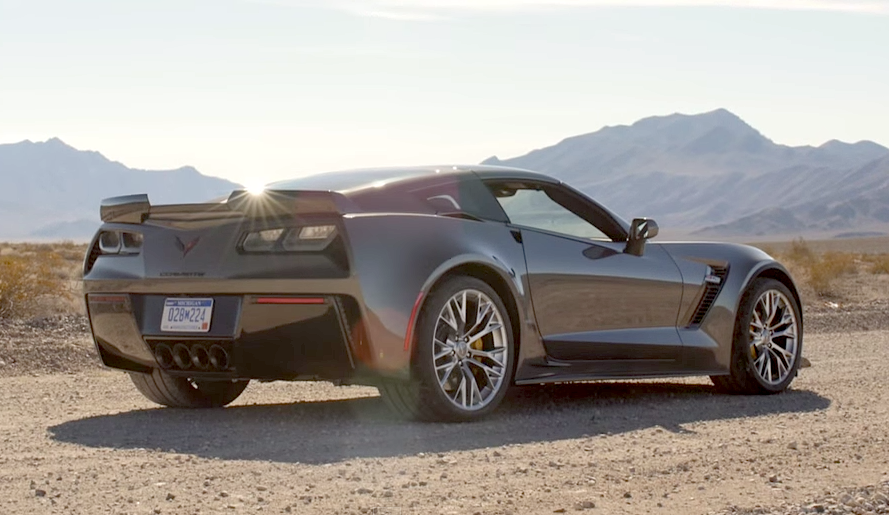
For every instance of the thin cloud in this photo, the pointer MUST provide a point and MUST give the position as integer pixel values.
(397, 14)
(431, 10)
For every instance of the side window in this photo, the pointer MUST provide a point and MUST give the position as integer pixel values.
(469, 196)
(533, 207)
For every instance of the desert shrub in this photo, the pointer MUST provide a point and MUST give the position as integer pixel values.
(768, 249)
(818, 271)
(800, 251)
(69, 251)
(879, 263)
(29, 279)
(823, 270)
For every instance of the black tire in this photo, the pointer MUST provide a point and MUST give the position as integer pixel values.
(421, 398)
(743, 377)
(180, 392)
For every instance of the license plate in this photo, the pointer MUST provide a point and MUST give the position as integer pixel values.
(187, 315)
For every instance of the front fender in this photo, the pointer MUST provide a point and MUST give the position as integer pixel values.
(709, 347)
(776, 270)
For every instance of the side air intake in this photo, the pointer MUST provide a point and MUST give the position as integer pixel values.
(714, 285)
(91, 257)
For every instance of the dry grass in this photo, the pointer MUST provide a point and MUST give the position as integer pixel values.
(800, 252)
(879, 263)
(820, 271)
(40, 279)
(865, 246)
(825, 269)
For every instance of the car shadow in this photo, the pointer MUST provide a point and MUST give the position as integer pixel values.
(338, 430)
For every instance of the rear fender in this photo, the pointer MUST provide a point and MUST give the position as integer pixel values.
(399, 258)
(509, 285)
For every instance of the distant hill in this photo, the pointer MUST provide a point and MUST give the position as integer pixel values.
(714, 175)
(52, 191)
(710, 175)
(838, 200)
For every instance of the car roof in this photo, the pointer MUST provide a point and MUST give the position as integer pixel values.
(350, 181)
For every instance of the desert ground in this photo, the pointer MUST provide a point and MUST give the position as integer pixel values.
(75, 438)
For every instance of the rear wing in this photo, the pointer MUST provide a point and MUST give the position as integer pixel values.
(136, 209)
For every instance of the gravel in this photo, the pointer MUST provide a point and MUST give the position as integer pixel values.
(864, 500)
(833, 317)
(78, 439)
(46, 345)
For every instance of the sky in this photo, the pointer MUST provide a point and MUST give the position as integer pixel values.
(261, 90)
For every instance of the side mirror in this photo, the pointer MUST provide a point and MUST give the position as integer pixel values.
(640, 230)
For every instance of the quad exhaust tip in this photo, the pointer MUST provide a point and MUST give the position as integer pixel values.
(200, 358)
(196, 356)
(218, 357)
(164, 355)
(181, 356)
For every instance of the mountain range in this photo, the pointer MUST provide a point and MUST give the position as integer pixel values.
(713, 175)
(52, 190)
(708, 175)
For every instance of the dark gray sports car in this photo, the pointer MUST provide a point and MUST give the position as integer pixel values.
(441, 286)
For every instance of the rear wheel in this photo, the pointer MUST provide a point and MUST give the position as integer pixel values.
(767, 342)
(180, 392)
(463, 355)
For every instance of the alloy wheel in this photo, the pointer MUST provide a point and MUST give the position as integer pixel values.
(773, 337)
(470, 350)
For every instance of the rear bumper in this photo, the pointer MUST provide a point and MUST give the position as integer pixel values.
(271, 336)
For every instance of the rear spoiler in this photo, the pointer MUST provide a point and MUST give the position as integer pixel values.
(135, 209)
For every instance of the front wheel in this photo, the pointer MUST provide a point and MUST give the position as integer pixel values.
(181, 392)
(767, 343)
(463, 357)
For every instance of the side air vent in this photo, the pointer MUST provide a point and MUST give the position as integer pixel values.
(91, 257)
(350, 318)
(713, 285)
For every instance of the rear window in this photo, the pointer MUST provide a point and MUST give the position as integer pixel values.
(348, 180)
(457, 195)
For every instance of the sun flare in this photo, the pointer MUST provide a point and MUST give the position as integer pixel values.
(255, 188)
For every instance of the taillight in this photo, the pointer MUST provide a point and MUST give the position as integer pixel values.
(112, 243)
(261, 241)
(120, 242)
(295, 239)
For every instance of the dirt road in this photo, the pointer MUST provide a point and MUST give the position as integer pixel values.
(88, 443)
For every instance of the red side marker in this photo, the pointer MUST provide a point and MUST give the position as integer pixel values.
(409, 335)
